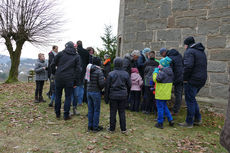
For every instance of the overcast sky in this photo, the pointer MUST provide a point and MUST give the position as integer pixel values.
(86, 20)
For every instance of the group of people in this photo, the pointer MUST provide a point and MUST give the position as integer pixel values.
(138, 82)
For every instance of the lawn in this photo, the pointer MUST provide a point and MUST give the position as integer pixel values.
(29, 127)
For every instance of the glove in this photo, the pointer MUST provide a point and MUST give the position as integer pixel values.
(156, 70)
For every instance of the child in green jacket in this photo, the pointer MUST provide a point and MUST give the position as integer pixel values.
(163, 77)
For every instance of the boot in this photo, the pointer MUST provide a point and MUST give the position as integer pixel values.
(36, 99)
(51, 104)
(41, 99)
(75, 111)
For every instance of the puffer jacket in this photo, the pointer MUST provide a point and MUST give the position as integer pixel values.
(137, 81)
(118, 82)
(177, 65)
(195, 65)
(97, 81)
(164, 82)
(149, 67)
(225, 133)
(40, 72)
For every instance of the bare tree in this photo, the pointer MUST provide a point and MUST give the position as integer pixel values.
(34, 21)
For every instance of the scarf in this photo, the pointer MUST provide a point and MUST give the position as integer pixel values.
(107, 61)
(87, 74)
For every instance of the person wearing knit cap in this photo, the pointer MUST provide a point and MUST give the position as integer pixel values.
(163, 78)
(142, 59)
(177, 66)
(195, 76)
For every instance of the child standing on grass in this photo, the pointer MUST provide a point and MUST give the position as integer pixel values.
(163, 77)
(41, 76)
(117, 85)
(135, 94)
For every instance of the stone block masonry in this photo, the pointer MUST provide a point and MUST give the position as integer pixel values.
(166, 23)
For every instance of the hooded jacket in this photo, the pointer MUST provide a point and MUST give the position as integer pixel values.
(137, 81)
(68, 66)
(225, 133)
(195, 65)
(164, 82)
(149, 67)
(128, 63)
(177, 65)
(40, 72)
(97, 81)
(118, 82)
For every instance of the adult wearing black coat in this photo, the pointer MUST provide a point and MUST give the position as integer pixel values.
(177, 66)
(67, 76)
(195, 76)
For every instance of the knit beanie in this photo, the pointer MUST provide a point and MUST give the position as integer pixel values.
(69, 44)
(189, 41)
(162, 50)
(146, 50)
(165, 62)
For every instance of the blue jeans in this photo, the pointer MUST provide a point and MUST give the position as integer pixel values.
(52, 97)
(75, 97)
(162, 109)
(193, 111)
(80, 91)
(94, 106)
(68, 87)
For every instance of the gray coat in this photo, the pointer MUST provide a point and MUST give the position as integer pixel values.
(41, 73)
(225, 133)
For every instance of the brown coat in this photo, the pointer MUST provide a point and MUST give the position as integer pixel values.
(225, 133)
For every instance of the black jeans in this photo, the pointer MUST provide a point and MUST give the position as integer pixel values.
(120, 106)
(39, 88)
(135, 98)
(149, 103)
(178, 90)
(68, 87)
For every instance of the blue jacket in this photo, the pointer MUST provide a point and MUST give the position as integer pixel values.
(177, 65)
(195, 65)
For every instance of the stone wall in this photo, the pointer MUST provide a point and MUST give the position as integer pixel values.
(166, 23)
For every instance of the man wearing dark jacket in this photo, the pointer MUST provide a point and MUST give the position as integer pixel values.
(95, 84)
(67, 76)
(51, 55)
(195, 76)
(84, 56)
(130, 61)
(117, 85)
(177, 66)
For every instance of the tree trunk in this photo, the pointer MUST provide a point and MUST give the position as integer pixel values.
(15, 60)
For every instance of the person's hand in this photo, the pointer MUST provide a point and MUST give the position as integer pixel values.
(44, 68)
(185, 82)
(74, 86)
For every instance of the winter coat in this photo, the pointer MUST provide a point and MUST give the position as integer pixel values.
(140, 64)
(97, 80)
(84, 56)
(117, 83)
(137, 81)
(107, 67)
(149, 67)
(225, 133)
(164, 82)
(40, 72)
(177, 65)
(128, 63)
(51, 57)
(68, 66)
(195, 65)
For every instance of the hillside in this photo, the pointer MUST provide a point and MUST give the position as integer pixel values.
(29, 127)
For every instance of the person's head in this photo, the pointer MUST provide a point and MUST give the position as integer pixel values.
(151, 55)
(41, 56)
(106, 56)
(96, 61)
(135, 54)
(55, 48)
(146, 51)
(163, 52)
(165, 62)
(188, 42)
(134, 70)
(79, 43)
(118, 62)
(69, 44)
(90, 50)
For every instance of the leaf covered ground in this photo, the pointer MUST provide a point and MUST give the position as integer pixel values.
(29, 127)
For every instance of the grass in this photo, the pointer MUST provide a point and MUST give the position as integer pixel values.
(29, 127)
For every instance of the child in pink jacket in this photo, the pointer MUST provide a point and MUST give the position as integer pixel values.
(135, 94)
